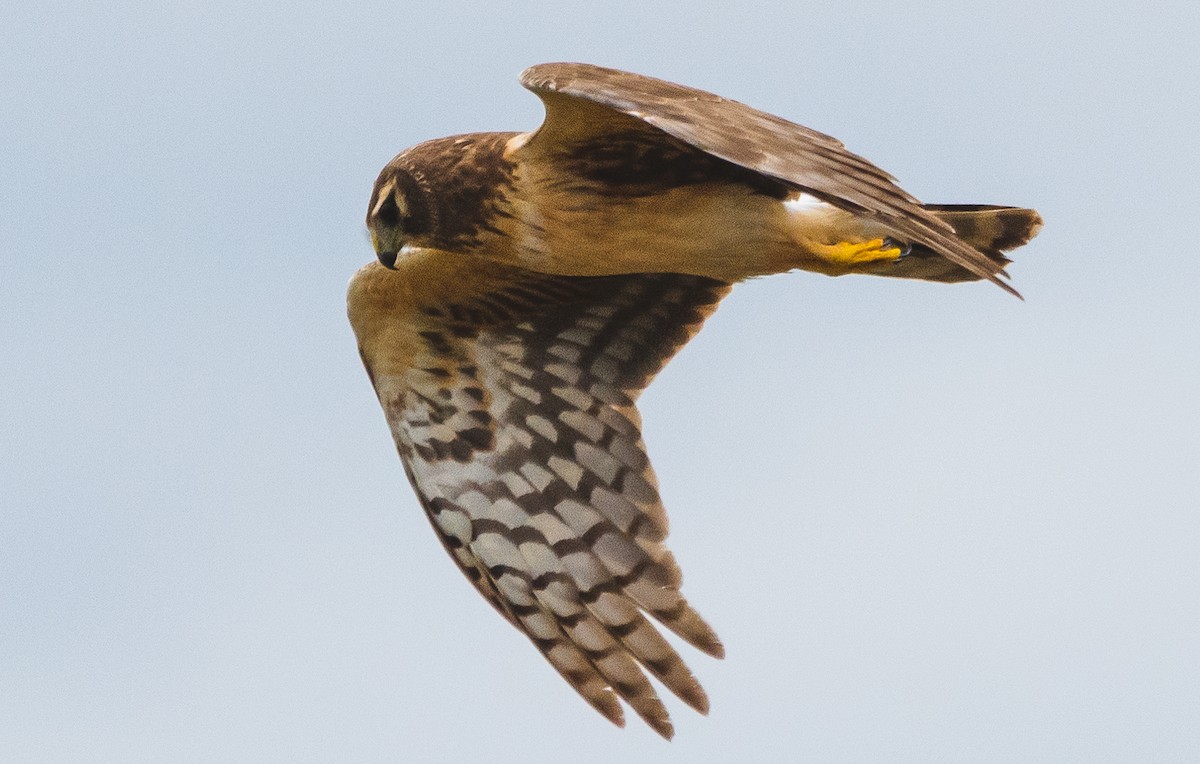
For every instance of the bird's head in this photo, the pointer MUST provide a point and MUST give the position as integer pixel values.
(399, 212)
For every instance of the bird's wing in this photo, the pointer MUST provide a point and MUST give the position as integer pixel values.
(585, 103)
(510, 396)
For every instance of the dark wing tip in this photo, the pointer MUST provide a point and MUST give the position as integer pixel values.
(663, 727)
(1010, 290)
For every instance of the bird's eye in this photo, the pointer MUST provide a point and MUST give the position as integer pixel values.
(388, 213)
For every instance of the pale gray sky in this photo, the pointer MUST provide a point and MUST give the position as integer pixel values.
(929, 522)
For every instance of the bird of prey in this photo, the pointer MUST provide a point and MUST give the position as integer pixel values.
(530, 285)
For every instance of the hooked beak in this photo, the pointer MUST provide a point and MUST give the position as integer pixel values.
(387, 259)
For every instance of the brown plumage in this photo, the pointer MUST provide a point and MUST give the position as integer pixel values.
(534, 285)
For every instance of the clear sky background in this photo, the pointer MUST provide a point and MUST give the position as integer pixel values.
(929, 522)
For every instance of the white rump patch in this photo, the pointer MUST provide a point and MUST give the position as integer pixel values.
(812, 217)
(805, 204)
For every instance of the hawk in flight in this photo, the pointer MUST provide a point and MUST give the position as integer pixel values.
(530, 285)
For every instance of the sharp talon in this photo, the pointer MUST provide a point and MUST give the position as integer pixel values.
(904, 247)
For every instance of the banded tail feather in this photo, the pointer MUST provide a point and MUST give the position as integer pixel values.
(991, 229)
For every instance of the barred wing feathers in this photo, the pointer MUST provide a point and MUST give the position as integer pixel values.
(515, 419)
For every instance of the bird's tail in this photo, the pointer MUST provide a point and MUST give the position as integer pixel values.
(991, 229)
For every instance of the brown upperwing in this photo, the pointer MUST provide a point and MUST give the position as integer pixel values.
(584, 101)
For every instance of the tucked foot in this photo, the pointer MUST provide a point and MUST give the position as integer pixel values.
(904, 247)
(846, 256)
